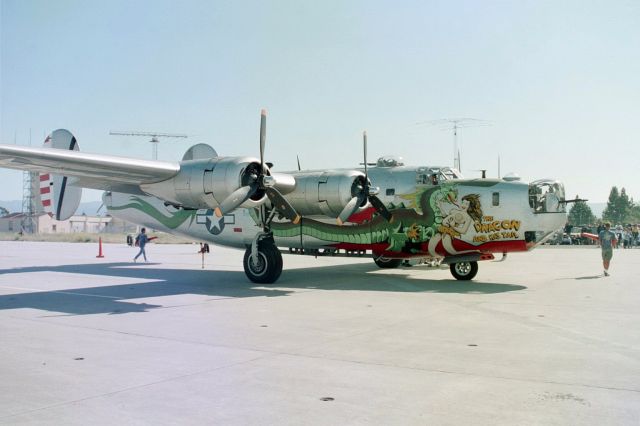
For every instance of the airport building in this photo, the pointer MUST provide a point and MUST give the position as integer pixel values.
(45, 224)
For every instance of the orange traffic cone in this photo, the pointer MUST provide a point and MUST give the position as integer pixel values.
(100, 248)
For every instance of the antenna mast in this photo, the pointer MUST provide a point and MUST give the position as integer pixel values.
(154, 138)
(455, 124)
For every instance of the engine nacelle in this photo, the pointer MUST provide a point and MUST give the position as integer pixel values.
(324, 192)
(204, 183)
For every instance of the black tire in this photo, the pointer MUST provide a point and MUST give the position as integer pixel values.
(269, 265)
(464, 270)
(385, 262)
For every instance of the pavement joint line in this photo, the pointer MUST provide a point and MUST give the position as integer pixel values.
(73, 293)
(532, 323)
(462, 373)
(569, 335)
(285, 353)
(546, 305)
(523, 321)
(167, 339)
(107, 394)
(268, 354)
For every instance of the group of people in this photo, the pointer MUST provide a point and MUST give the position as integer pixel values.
(627, 235)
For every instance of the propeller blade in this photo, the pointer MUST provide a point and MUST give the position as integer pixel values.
(282, 205)
(298, 163)
(234, 200)
(364, 143)
(348, 210)
(263, 136)
(380, 207)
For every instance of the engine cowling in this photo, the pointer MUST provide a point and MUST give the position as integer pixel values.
(324, 192)
(204, 183)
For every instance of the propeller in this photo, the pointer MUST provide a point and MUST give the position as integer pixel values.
(363, 192)
(356, 202)
(257, 180)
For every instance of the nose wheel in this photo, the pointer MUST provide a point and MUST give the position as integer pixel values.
(265, 265)
(464, 270)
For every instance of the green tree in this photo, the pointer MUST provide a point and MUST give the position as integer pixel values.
(624, 205)
(619, 206)
(634, 214)
(611, 212)
(3, 211)
(581, 214)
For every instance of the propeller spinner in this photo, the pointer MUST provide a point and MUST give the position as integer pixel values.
(363, 192)
(258, 180)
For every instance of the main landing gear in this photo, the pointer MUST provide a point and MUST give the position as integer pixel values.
(263, 262)
(464, 271)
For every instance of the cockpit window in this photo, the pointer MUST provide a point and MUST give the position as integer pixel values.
(451, 173)
(435, 175)
(547, 196)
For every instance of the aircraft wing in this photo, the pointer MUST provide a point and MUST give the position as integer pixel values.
(105, 172)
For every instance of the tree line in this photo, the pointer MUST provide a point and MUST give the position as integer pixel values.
(620, 209)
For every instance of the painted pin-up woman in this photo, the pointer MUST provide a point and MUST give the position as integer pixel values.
(458, 217)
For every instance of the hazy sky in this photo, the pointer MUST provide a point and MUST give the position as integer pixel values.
(559, 81)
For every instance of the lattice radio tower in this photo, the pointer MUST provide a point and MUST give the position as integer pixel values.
(29, 179)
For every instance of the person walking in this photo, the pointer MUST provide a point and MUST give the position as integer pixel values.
(141, 240)
(607, 243)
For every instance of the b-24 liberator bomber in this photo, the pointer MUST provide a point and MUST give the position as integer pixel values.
(424, 212)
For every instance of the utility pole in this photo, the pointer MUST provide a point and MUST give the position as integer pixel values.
(454, 124)
(154, 138)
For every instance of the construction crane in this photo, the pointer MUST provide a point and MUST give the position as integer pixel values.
(455, 124)
(153, 135)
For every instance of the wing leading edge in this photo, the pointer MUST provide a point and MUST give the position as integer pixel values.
(105, 172)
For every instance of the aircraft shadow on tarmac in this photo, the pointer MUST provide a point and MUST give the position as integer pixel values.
(121, 298)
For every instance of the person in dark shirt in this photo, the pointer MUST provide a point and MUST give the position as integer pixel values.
(141, 241)
(607, 243)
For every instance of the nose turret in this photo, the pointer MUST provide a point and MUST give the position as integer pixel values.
(547, 196)
(548, 208)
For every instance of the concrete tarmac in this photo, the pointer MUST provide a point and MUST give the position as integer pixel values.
(540, 339)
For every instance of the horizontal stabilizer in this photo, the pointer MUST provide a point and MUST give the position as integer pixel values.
(58, 197)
